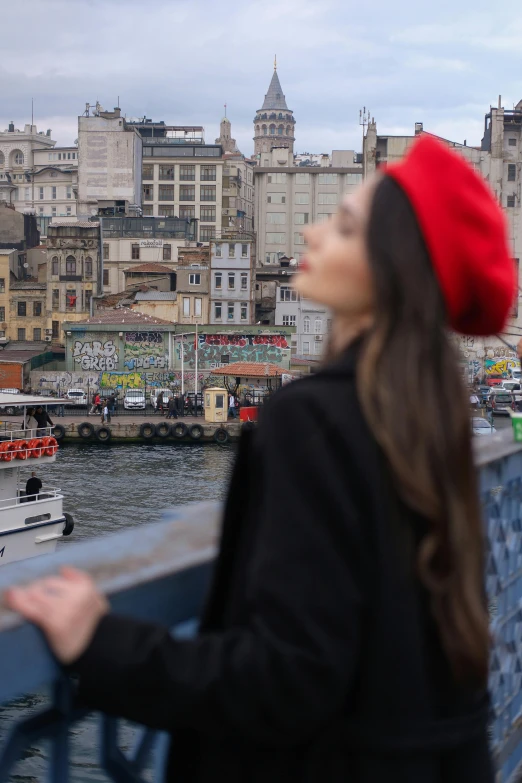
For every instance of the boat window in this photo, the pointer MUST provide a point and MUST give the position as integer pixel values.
(37, 518)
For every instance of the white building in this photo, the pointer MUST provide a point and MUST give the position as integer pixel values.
(231, 281)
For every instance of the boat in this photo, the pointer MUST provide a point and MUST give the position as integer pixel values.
(29, 525)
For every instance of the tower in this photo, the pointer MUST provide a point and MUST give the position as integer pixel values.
(225, 136)
(274, 123)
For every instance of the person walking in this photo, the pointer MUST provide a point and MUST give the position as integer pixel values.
(111, 405)
(32, 488)
(105, 416)
(159, 403)
(345, 635)
(43, 421)
(172, 412)
(231, 406)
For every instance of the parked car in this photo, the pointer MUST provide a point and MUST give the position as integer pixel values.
(483, 392)
(481, 426)
(501, 401)
(10, 410)
(167, 394)
(77, 397)
(134, 399)
(510, 385)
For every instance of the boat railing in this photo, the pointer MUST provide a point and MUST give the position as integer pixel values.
(46, 493)
(16, 431)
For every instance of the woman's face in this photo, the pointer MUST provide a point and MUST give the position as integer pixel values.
(336, 270)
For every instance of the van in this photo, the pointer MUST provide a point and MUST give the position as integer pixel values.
(134, 399)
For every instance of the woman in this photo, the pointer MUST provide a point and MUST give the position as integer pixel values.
(30, 424)
(345, 637)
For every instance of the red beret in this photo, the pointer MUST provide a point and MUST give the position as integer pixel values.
(465, 234)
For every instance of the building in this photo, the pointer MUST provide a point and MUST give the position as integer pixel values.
(74, 272)
(27, 312)
(133, 242)
(274, 122)
(289, 197)
(17, 149)
(8, 272)
(237, 212)
(232, 281)
(157, 304)
(193, 285)
(110, 159)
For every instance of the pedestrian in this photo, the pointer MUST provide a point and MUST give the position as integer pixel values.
(29, 424)
(231, 406)
(172, 412)
(96, 402)
(105, 417)
(32, 488)
(112, 405)
(345, 637)
(43, 421)
(159, 403)
(473, 400)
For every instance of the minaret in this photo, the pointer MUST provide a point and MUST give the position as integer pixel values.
(274, 123)
(225, 135)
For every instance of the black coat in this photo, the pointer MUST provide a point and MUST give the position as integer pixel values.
(317, 661)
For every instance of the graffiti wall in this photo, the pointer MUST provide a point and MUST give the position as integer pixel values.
(61, 381)
(481, 358)
(145, 350)
(95, 352)
(218, 350)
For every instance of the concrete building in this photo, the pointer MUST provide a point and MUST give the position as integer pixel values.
(232, 281)
(193, 288)
(274, 122)
(17, 149)
(110, 159)
(132, 242)
(27, 312)
(237, 212)
(74, 272)
(157, 304)
(8, 272)
(288, 197)
(54, 187)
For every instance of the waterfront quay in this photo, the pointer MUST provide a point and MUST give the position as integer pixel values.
(160, 572)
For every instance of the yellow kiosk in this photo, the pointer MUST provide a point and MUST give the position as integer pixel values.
(216, 405)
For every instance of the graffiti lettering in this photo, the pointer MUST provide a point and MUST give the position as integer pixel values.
(145, 350)
(95, 354)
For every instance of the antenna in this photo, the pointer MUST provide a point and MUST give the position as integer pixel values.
(225, 109)
(32, 114)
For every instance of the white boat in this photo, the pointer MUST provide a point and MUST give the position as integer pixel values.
(29, 526)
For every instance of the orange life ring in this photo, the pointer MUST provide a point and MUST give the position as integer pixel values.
(10, 451)
(35, 447)
(51, 446)
(22, 449)
(3, 450)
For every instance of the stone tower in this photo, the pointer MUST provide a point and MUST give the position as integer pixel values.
(274, 123)
(225, 136)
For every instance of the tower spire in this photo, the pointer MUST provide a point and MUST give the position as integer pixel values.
(275, 62)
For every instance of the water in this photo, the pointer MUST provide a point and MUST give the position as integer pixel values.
(109, 488)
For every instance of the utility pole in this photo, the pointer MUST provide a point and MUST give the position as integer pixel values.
(364, 121)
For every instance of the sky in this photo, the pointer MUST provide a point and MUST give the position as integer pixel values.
(441, 63)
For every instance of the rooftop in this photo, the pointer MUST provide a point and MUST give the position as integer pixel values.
(75, 223)
(121, 315)
(154, 268)
(155, 296)
(19, 357)
(251, 370)
(274, 99)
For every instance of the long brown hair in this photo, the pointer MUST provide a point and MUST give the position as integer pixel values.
(416, 405)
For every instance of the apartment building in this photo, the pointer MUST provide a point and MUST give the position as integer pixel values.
(232, 281)
(54, 186)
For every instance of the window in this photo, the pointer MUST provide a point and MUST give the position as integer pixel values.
(106, 252)
(41, 193)
(306, 347)
(37, 334)
(300, 218)
(165, 211)
(56, 329)
(105, 277)
(208, 173)
(166, 172)
(218, 250)
(276, 179)
(56, 298)
(166, 193)
(69, 211)
(135, 251)
(302, 179)
(187, 213)
(318, 347)
(69, 191)
(186, 306)
(289, 320)
(272, 258)
(70, 299)
(147, 211)
(55, 266)
(353, 179)
(27, 194)
(197, 307)
(317, 326)
(207, 193)
(299, 238)
(302, 198)
(275, 239)
(147, 171)
(206, 233)
(327, 179)
(53, 193)
(187, 192)
(512, 142)
(148, 192)
(19, 161)
(88, 297)
(276, 217)
(37, 308)
(2, 313)
(208, 214)
(22, 308)
(2, 333)
(218, 280)
(328, 325)
(244, 251)
(2, 285)
(287, 294)
(306, 325)
(276, 198)
(21, 334)
(195, 279)
(230, 311)
(231, 281)
(167, 252)
(41, 210)
(53, 211)
(511, 201)
(88, 267)
(512, 172)
(70, 265)
(244, 312)
(244, 281)
(327, 198)
(217, 311)
(187, 173)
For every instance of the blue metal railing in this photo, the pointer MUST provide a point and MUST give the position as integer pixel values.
(160, 572)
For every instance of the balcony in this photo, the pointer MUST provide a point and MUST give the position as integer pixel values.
(160, 573)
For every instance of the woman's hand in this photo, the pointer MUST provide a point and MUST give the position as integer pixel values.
(67, 608)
